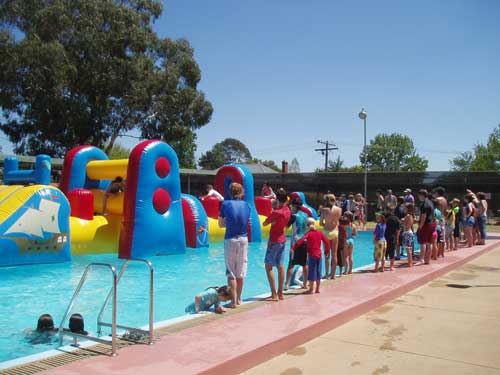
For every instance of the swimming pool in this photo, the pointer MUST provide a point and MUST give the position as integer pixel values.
(27, 292)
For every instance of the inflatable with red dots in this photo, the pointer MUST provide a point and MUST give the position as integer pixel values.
(143, 218)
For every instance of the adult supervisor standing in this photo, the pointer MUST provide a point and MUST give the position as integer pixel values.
(234, 215)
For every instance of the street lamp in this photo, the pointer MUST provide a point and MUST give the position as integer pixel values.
(362, 116)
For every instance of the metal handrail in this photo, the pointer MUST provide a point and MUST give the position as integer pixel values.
(72, 302)
(150, 332)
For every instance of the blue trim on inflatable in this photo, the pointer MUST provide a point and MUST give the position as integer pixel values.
(40, 175)
(155, 233)
(201, 220)
(78, 176)
(303, 198)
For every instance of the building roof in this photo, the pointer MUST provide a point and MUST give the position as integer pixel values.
(259, 168)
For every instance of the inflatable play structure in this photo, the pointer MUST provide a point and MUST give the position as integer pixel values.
(40, 223)
(34, 219)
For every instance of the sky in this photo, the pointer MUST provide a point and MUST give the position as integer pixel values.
(283, 74)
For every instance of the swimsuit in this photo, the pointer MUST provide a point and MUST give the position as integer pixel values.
(350, 238)
(331, 234)
(408, 238)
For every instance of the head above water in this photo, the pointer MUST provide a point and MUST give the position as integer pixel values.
(45, 323)
(76, 324)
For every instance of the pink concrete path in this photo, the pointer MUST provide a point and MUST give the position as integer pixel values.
(240, 341)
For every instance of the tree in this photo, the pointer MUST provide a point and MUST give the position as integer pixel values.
(294, 166)
(230, 150)
(483, 158)
(87, 71)
(394, 153)
(119, 152)
(463, 162)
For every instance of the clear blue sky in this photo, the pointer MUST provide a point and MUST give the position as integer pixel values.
(283, 74)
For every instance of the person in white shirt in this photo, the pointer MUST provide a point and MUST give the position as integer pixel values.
(212, 192)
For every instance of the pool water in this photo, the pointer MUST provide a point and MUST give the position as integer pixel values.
(26, 292)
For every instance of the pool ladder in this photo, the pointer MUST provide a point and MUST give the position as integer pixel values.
(116, 277)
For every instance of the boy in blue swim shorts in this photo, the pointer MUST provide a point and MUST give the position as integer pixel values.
(278, 220)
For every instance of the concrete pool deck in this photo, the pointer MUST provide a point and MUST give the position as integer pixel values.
(449, 326)
(240, 341)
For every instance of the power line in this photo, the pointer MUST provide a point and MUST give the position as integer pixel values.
(329, 146)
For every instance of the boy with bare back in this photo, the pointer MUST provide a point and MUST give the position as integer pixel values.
(329, 220)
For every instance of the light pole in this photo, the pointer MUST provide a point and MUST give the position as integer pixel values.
(362, 116)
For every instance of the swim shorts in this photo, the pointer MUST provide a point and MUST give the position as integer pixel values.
(314, 272)
(408, 239)
(425, 233)
(236, 257)
(298, 257)
(379, 252)
(350, 242)
(449, 229)
(391, 245)
(331, 234)
(470, 222)
(274, 254)
(440, 236)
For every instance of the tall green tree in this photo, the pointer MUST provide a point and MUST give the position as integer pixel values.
(230, 150)
(484, 157)
(394, 153)
(87, 71)
(462, 162)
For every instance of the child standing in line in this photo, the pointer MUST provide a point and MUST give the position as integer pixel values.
(313, 238)
(278, 220)
(212, 296)
(379, 242)
(449, 228)
(408, 239)
(342, 246)
(352, 231)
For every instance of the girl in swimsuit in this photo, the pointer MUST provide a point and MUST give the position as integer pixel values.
(469, 220)
(352, 232)
(408, 237)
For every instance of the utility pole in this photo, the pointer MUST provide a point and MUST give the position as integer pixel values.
(329, 146)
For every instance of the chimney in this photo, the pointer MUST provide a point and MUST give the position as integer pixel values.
(284, 166)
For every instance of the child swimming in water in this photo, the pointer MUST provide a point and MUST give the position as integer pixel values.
(212, 296)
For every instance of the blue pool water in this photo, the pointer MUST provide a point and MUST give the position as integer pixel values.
(29, 291)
